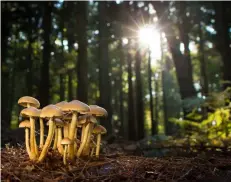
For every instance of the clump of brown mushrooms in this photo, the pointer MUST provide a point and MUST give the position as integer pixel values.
(64, 121)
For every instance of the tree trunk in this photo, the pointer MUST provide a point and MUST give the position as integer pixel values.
(223, 38)
(167, 124)
(131, 110)
(204, 78)
(150, 75)
(104, 66)
(82, 64)
(139, 97)
(61, 75)
(5, 114)
(12, 85)
(121, 94)
(45, 77)
(70, 71)
(182, 63)
(29, 73)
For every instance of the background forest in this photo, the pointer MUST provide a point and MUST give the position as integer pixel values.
(158, 68)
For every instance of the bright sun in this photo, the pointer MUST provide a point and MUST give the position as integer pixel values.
(150, 37)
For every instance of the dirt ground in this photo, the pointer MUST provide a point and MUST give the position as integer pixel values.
(15, 166)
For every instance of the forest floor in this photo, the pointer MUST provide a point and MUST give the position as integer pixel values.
(15, 166)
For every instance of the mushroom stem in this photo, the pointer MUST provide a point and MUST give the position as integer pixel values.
(86, 149)
(32, 139)
(66, 129)
(83, 129)
(92, 151)
(71, 134)
(36, 146)
(75, 143)
(41, 133)
(84, 140)
(27, 142)
(65, 155)
(48, 140)
(56, 139)
(59, 146)
(98, 145)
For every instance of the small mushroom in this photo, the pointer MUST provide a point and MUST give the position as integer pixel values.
(59, 124)
(51, 112)
(99, 130)
(41, 141)
(31, 112)
(26, 124)
(27, 101)
(66, 142)
(92, 147)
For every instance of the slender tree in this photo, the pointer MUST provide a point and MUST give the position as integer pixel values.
(82, 63)
(121, 94)
(139, 97)
(45, 78)
(104, 66)
(222, 14)
(131, 109)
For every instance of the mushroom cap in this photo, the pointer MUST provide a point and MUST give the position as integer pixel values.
(92, 119)
(67, 117)
(86, 119)
(98, 111)
(30, 112)
(59, 122)
(23, 101)
(66, 141)
(60, 104)
(82, 119)
(76, 105)
(51, 111)
(24, 124)
(99, 129)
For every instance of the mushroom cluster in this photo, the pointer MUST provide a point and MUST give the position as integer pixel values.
(64, 120)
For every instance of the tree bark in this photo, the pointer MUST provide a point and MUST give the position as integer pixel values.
(139, 97)
(82, 63)
(204, 77)
(131, 110)
(5, 114)
(30, 61)
(223, 38)
(45, 77)
(104, 66)
(61, 75)
(150, 76)
(121, 94)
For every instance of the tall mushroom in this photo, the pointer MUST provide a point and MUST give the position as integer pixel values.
(95, 111)
(66, 118)
(26, 124)
(51, 112)
(91, 121)
(59, 124)
(66, 142)
(32, 113)
(75, 107)
(27, 101)
(99, 130)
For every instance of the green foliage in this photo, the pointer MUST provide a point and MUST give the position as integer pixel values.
(215, 129)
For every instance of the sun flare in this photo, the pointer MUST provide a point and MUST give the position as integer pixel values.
(150, 37)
